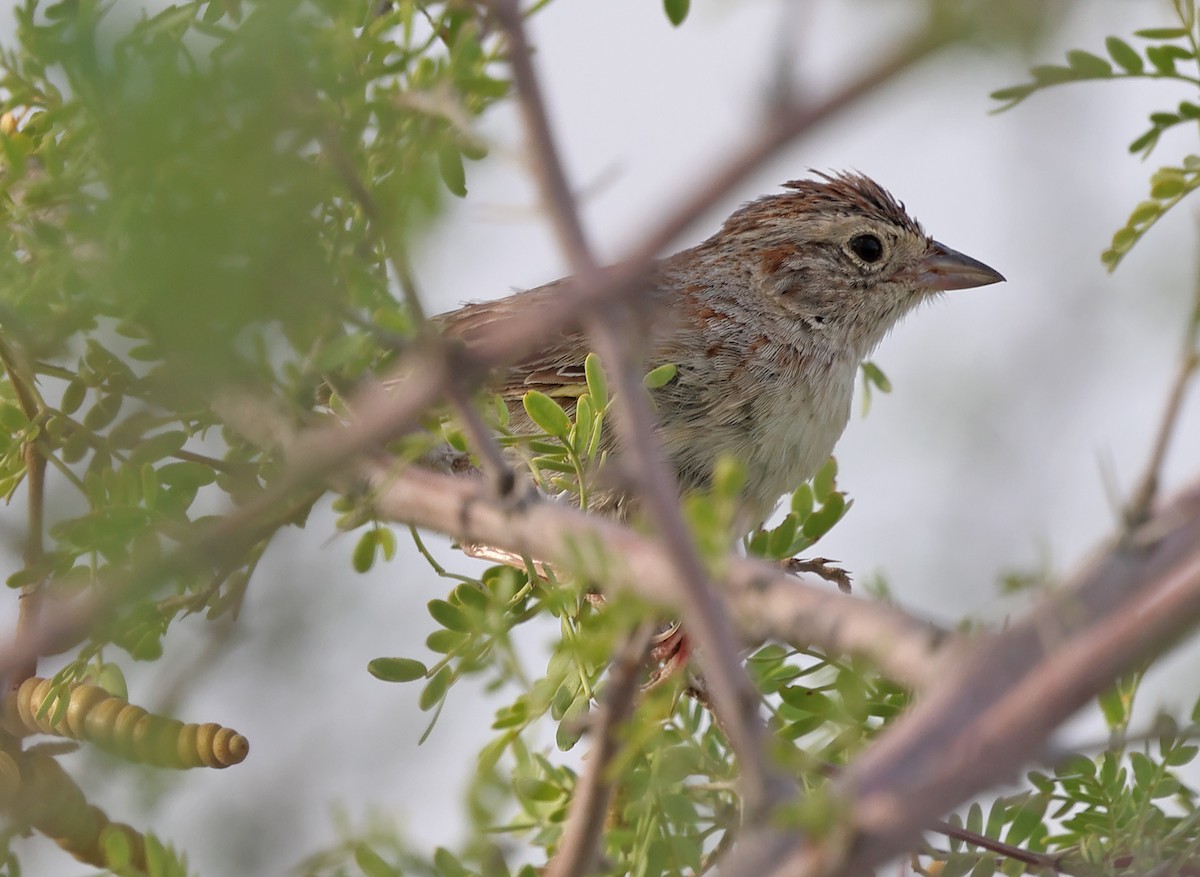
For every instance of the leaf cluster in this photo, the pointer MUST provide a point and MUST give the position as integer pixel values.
(1158, 54)
(207, 197)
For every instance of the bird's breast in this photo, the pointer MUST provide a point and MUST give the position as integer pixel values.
(777, 409)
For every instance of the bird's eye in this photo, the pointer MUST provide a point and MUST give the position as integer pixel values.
(867, 247)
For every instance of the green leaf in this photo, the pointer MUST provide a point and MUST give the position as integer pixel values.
(1167, 186)
(1041, 782)
(103, 412)
(1124, 54)
(159, 446)
(1026, 819)
(536, 790)
(397, 669)
(1113, 705)
(822, 521)
(876, 377)
(471, 596)
(1014, 94)
(1161, 33)
(729, 477)
(806, 699)
(1180, 756)
(825, 481)
(111, 679)
(73, 396)
(802, 501)
(975, 818)
(1145, 141)
(997, 816)
(677, 10)
(782, 536)
(372, 864)
(1051, 74)
(1088, 64)
(659, 377)
(1165, 120)
(443, 642)
(385, 539)
(363, 557)
(435, 689)
(450, 166)
(1123, 239)
(1163, 60)
(1145, 212)
(547, 414)
(185, 475)
(149, 485)
(12, 418)
(597, 383)
(449, 616)
(118, 852)
(585, 419)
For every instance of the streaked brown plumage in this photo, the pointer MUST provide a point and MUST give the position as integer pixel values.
(766, 322)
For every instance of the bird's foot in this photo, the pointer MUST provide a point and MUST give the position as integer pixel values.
(671, 650)
(821, 566)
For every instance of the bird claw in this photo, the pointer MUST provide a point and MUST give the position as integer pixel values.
(671, 649)
(820, 566)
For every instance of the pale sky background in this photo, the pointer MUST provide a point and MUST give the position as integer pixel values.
(1010, 402)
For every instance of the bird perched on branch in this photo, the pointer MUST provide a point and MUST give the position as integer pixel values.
(766, 323)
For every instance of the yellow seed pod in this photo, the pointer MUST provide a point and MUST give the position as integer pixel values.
(187, 750)
(8, 124)
(92, 714)
(122, 730)
(10, 721)
(10, 780)
(30, 697)
(84, 698)
(230, 747)
(49, 801)
(206, 735)
(100, 722)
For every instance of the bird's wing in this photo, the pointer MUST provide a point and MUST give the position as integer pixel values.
(555, 369)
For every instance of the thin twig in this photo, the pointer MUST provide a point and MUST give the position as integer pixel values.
(763, 600)
(1189, 363)
(1028, 857)
(578, 850)
(30, 604)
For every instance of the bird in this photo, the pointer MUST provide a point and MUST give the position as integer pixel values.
(766, 324)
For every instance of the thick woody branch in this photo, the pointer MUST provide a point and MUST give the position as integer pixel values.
(1000, 703)
(765, 601)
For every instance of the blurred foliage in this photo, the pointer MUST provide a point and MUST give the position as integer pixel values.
(218, 198)
(204, 199)
(1155, 53)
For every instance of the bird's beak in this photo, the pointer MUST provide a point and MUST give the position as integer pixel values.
(943, 268)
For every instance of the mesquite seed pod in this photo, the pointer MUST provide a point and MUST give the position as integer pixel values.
(10, 780)
(113, 724)
(49, 801)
